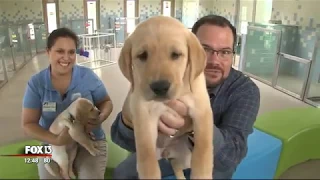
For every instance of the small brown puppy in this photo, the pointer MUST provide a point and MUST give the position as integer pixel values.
(75, 117)
(163, 60)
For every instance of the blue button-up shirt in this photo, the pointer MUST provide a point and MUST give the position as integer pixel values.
(235, 107)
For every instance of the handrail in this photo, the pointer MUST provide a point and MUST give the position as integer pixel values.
(295, 58)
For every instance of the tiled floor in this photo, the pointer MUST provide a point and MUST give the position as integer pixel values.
(11, 98)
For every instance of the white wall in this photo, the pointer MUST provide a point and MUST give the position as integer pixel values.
(225, 8)
(263, 11)
(20, 10)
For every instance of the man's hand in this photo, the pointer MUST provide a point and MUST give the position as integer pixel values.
(169, 122)
(174, 118)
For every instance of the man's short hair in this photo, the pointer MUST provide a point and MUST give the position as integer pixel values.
(217, 21)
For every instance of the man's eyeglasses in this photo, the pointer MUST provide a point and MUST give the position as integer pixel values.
(222, 54)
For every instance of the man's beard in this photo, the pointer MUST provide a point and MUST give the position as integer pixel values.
(212, 86)
(217, 68)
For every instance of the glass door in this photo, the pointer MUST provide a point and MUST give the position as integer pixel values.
(260, 53)
(26, 41)
(292, 75)
(17, 48)
(3, 69)
(32, 39)
(312, 95)
(41, 35)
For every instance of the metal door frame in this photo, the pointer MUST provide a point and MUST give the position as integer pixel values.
(13, 51)
(299, 60)
(20, 31)
(4, 68)
(26, 31)
(37, 27)
(310, 73)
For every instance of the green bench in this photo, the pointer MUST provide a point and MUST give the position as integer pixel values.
(15, 168)
(299, 131)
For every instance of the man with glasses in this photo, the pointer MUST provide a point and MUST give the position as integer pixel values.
(235, 101)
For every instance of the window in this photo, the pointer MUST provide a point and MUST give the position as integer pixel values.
(92, 16)
(51, 16)
(131, 16)
(166, 8)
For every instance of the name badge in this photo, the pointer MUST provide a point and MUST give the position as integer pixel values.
(49, 106)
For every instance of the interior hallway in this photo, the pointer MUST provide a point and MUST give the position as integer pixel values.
(12, 93)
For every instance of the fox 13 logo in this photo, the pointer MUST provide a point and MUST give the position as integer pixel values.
(32, 154)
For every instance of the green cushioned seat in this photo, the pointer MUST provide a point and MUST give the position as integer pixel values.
(115, 156)
(299, 130)
(15, 168)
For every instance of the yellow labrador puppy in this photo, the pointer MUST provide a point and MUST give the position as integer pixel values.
(163, 61)
(75, 117)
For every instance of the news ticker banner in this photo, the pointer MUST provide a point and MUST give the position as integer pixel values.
(32, 154)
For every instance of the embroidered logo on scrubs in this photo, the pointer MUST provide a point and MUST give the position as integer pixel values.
(49, 106)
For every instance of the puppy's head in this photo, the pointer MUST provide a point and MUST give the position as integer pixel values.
(83, 110)
(161, 58)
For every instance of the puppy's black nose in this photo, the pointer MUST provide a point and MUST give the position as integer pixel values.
(160, 88)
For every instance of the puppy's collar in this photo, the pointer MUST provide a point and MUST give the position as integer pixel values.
(71, 118)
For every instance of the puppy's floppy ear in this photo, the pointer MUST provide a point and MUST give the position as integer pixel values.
(81, 112)
(125, 60)
(197, 58)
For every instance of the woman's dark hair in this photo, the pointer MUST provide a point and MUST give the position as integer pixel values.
(217, 21)
(61, 32)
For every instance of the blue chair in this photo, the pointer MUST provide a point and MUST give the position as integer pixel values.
(262, 157)
(261, 160)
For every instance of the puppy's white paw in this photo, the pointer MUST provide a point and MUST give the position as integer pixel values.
(64, 174)
(71, 174)
(156, 109)
(95, 144)
(188, 100)
(94, 152)
(92, 149)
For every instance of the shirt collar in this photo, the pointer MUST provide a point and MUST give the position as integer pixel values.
(74, 81)
(214, 90)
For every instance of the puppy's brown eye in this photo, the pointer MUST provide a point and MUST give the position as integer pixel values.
(175, 55)
(143, 56)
